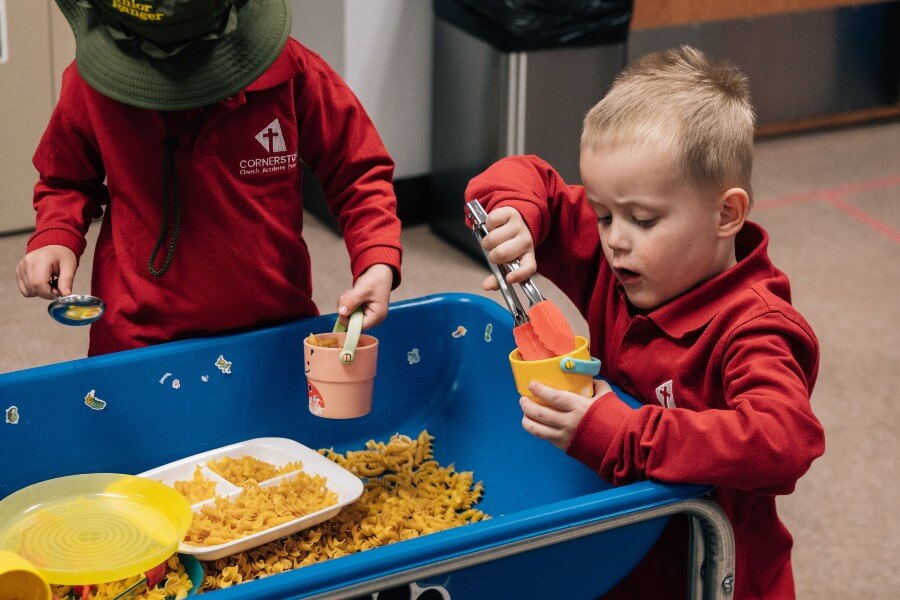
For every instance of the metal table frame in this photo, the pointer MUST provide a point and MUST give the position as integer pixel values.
(710, 562)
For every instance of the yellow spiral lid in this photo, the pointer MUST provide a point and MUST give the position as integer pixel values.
(94, 528)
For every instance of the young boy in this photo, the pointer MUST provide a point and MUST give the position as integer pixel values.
(685, 310)
(188, 120)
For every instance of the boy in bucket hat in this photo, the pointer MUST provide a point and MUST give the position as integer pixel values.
(188, 120)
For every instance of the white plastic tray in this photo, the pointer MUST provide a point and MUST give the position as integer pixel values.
(278, 451)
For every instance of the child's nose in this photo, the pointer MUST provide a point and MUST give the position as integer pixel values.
(617, 237)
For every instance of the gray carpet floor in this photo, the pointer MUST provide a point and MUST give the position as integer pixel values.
(831, 202)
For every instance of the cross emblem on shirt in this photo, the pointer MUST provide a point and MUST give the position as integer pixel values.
(664, 394)
(270, 134)
(271, 137)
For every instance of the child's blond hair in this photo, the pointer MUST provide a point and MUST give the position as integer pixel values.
(680, 99)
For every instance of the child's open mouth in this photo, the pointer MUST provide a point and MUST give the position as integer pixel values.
(626, 276)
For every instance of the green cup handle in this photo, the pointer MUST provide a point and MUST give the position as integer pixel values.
(353, 331)
(582, 367)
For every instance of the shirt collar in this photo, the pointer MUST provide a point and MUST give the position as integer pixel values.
(278, 72)
(697, 307)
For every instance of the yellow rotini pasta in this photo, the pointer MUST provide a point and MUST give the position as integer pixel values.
(246, 468)
(407, 494)
(196, 489)
(324, 341)
(257, 508)
(176, 585)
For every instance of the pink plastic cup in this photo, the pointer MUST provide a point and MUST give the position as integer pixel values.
(340, 381)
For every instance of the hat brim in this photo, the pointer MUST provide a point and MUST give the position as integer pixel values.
(200, 75)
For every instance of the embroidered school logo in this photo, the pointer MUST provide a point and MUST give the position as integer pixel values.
(665, 396)
(271, 138)
(278, 159)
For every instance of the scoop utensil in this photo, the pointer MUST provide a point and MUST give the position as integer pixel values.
(74, 309)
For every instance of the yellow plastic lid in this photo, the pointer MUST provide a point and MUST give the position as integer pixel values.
(94, 528)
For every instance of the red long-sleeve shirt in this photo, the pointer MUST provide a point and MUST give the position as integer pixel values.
(240, 259)
(724, 373)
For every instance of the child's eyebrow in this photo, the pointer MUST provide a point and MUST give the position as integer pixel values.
(646, 203)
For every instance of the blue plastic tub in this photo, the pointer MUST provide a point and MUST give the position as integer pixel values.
(545, 506)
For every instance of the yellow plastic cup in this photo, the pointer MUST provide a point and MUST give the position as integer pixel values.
(573, 372)
(21, 580)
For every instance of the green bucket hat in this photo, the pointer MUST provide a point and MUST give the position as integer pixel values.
(175, 54)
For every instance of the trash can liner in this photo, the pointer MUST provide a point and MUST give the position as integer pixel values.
(521, 25)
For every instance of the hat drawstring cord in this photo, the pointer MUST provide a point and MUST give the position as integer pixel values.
(170, 175)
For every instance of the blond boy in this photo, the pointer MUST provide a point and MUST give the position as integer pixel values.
(685, 309)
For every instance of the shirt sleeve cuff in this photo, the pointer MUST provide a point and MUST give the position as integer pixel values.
(377, 255)
(57, 237)
(597, 430)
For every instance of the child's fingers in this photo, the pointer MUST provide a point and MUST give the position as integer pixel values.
(22, 280)
(503, 224)
(512, 228)
(509, 250)
(512, 232)
(500, 216)
(601, 388)
(40, 273)
(372, 289)
(539, 429)
(348, 302)
(527, 268)
(490, 284)
(542, 414)
(67, 267)
(495, 238)
(558, 399)
(374, 314)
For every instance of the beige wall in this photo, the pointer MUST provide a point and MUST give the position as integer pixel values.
(62, 45)
(40, 44)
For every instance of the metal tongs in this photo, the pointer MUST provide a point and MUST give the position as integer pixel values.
(478, 216)
(540, 332)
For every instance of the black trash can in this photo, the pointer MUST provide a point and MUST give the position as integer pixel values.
(514, 77)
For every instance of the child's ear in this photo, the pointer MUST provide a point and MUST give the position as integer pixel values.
(733, 208)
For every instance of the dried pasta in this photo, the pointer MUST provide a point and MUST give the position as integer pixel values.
(407, 494)
(322, 341)
(196, 489)
(241, 470)
(176, 585)
(257, 508)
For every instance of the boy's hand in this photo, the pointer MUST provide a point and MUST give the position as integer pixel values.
(508, 239)
(557, 421)
(373, 289)
(33, 272)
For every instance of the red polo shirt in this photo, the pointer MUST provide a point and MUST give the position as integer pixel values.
(240, 260)
(724, 372)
